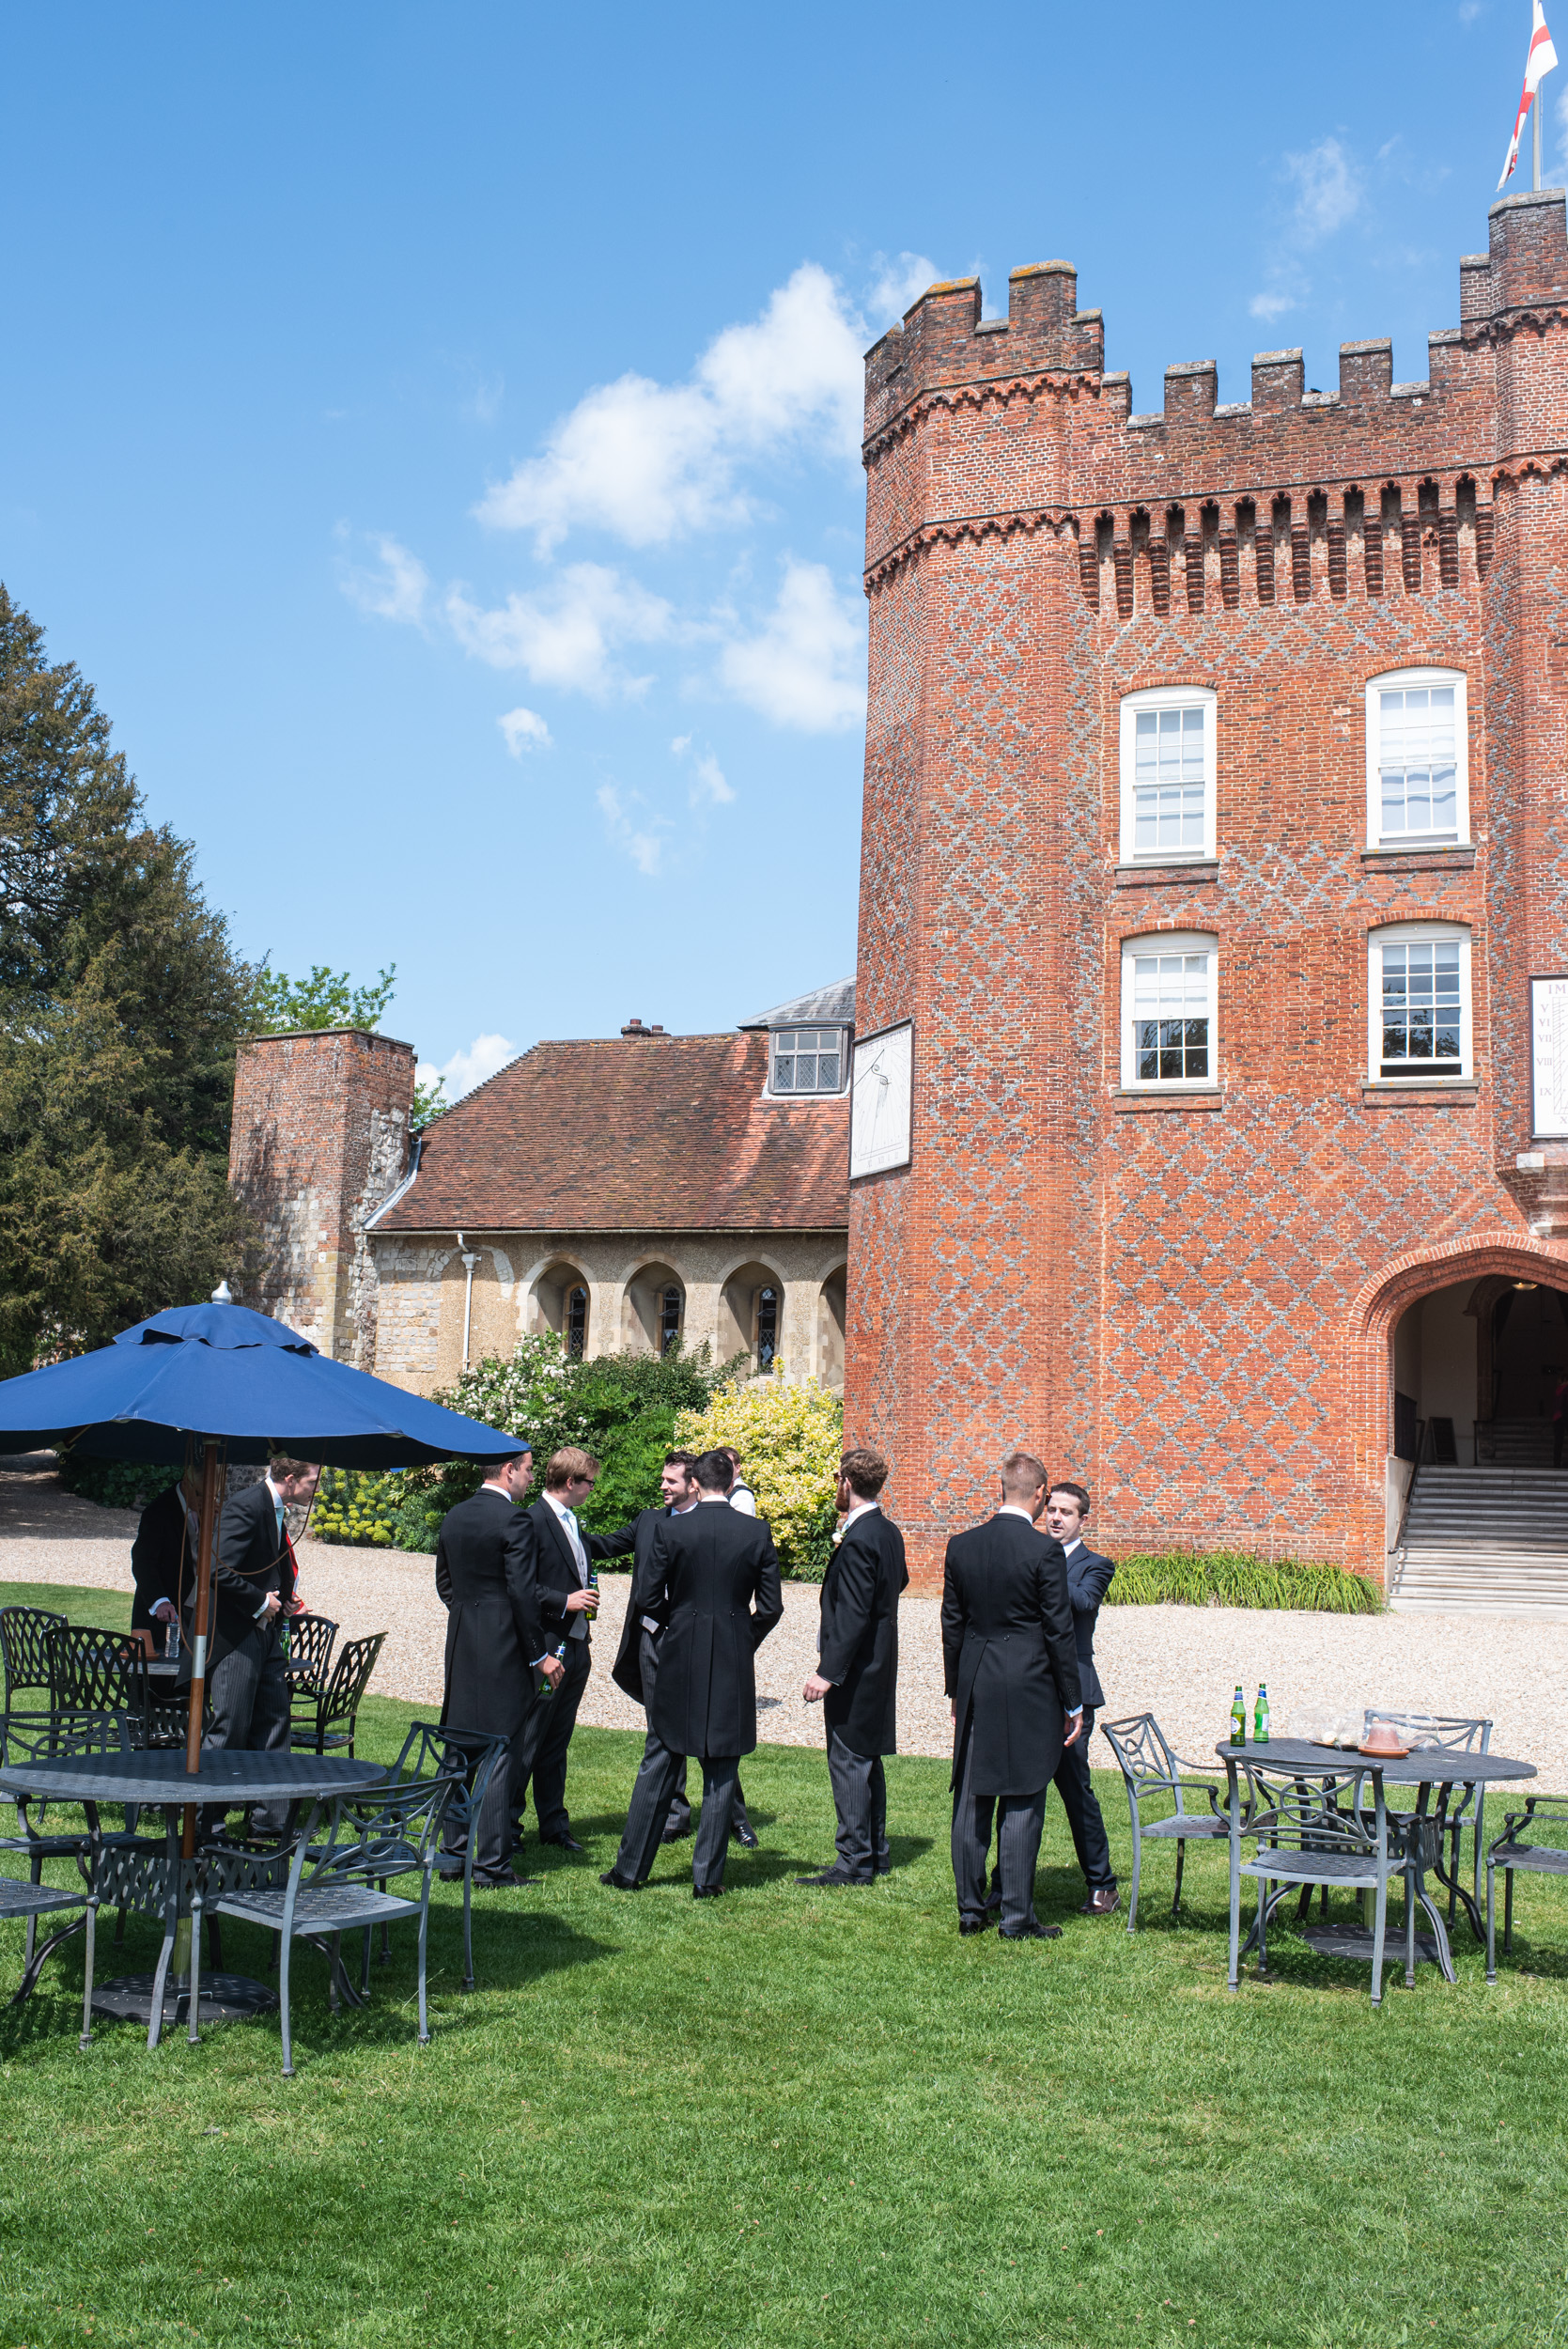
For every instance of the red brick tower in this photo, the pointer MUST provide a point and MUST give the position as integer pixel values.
(1182, 1282)
(320, 1139)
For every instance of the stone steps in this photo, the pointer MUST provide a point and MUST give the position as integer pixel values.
(1492, 1539)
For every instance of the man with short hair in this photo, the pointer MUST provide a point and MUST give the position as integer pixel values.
(1088, 1580)
(486, 1579)
(254, 1576)
(567, 1607)
(856, 1680)
(1012, 1677)
(636, 1665)
(712, 1579)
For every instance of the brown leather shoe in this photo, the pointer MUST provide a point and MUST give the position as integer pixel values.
(1103, 1902)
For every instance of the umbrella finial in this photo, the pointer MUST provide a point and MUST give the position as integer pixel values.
(222, 1295)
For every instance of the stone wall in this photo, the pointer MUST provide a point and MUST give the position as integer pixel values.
(522, 1279)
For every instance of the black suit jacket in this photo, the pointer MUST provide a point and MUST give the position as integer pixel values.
(1009, 1652)
(487, 1578)
(704, 1571)
(248, 1561)
(1088, 1580)
(556, 1570)
(859, 1644)
(634, 1541)
(163, 1559)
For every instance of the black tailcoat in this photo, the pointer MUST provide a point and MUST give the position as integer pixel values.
(249, 1558)
(634, 1541)
(486, 1579)
(702, 1573)
(556, 1570)
(163, 1559)
(1088, 1580)
(1009, 1652)
(860, 1634)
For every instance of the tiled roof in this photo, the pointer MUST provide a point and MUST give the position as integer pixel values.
(637, 1133)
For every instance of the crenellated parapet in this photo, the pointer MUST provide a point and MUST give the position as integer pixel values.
(981, 426)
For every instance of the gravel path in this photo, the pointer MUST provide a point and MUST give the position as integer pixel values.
(1181, 1663)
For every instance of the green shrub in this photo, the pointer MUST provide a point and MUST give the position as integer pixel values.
(1231, 1578)
(791, 1439)
(356, 1506)
(113, 1484)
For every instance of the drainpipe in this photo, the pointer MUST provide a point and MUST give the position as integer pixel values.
(470, 1260)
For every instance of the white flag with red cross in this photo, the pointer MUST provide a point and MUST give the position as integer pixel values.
(1542, 59)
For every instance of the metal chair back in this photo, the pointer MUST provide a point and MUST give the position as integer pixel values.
(472, 1756)
(308, 1644)
(24, 1652)
(1146, 1756)
(337, 1707)
(1451, 1733)
(96, 1672)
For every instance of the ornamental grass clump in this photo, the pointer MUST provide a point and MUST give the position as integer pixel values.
(1231, 1578)
(790, 1440)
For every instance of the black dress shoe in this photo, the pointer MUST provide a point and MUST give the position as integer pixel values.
(746, 1835)
(676, 1834)
(562, 1843)
(504, 1882)
(884, 1867)
(1033, 1932)
(1104, 1900)
(833, 1875)
(619, 1883)
(706, 1891)
(975, 1925)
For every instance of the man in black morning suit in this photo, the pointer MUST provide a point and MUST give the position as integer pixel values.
(163, 1555)
(496, 1651)
(1012, 1674)
(636, 1665)
(566, 1606)
(1088, 1580)
(857, 1673)
(252, 1586)
(704, 1572)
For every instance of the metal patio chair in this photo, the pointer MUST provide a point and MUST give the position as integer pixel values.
(328, 1724)
(307, 1651)
(96, 1672)
(1151, 1768)
(1305, 1837)
(478, 1755)
(1453, 1733)
(1516, 1857)
(25, 1658)
(337, 1887)
(60, 1738)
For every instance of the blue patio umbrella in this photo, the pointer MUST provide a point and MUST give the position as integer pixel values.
(226, 1380)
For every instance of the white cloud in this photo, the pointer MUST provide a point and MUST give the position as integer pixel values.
(1468, 10)
(464, 1071)
(652, 461)
(395, 592)
(898, 283)
(681, 744)
(710, 784)
(1328, 189)
(525, 730)
(805, 666)
(1272, 305)
(568, 633)
(639, 840)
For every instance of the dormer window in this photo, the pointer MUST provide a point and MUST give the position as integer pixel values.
(808, 1060)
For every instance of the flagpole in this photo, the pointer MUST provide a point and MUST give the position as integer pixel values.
(1535, 126)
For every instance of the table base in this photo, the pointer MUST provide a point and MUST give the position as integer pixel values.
(225, 1998)
(1355, 1943)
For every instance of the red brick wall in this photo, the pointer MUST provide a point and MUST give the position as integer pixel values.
(1177, 1304)
(320, 1139)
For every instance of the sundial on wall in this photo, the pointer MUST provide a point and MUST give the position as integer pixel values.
(880, 1107)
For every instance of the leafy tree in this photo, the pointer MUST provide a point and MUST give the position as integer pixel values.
(121, 999)
(325, 1000)
(430, 1103)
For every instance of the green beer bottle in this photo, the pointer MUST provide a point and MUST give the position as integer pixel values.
(544, 1688)
(1238, 1717)
(1260, 1718)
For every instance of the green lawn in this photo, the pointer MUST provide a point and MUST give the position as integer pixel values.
(785, 2119)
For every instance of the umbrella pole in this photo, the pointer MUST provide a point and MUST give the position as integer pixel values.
(210, 1468)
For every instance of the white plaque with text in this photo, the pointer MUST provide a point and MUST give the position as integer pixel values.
(1548, 1039)
(879, 1109)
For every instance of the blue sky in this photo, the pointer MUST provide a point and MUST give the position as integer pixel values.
(434, 430)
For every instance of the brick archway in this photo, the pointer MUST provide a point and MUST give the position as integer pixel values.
(1369, 1326)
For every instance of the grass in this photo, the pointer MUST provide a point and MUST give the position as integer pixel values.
(1230, 1577)
(789, 2118)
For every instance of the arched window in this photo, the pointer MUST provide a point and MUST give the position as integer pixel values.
(576, 1318)
(768, 1328)
(669, 1319)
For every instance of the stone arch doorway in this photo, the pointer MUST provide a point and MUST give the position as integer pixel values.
(561, 1302)
(653, 1320)
(752, 1316)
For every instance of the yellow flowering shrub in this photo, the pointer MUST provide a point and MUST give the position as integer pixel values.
(790, 1440)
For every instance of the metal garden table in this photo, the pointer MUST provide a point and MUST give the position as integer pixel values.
(160, 1881)
(1419, 1831)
